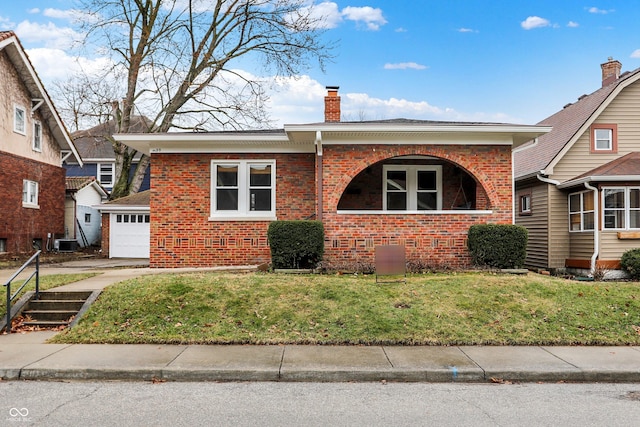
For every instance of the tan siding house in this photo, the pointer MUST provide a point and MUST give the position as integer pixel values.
(589, 166)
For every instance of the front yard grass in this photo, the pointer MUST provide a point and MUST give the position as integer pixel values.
(431, 309)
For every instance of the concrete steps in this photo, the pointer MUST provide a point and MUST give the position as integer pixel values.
(56, 309)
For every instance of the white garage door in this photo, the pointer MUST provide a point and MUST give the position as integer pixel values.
(129, 235)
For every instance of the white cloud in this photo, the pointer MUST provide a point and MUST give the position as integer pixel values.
(48, 34)
(534, 22)
(327, 14)
(371, 17)
(56, 64)
(635, 54)
(60, 14)
(33, 11)
(405, 66)
(401, 30)
(600, 11)
(573, 24)
(466, 30)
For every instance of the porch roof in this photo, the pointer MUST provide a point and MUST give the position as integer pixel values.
(625, 168)
(304, 137)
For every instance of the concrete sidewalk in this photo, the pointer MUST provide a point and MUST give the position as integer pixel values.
(27, 356)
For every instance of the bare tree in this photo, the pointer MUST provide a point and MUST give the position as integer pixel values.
(177, 63)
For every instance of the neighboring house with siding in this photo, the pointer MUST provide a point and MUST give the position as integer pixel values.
(578, 186)
(82, 221)
(99, 159)
(33, 144)
(420, 184)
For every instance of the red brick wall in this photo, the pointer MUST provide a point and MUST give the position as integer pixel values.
(439, 239)
(20, 225)
(106, 228)
(181, 233)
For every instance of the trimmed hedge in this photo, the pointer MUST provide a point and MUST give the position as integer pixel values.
(296, 244)
(630, 262)
(498, 245)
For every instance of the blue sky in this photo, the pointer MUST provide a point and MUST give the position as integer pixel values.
(510, 61)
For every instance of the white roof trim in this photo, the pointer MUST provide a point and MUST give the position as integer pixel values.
(599, 178)
(302, 138)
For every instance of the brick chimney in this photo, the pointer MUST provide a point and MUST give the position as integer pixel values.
(610, 71)
(332, 105)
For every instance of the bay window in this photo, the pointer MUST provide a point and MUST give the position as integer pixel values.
(621, 208)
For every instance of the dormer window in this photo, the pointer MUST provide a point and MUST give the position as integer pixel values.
(604, 138)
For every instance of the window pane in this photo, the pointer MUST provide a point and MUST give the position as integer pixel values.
(614, 198)
(260, 200)
(588, 221)
(426, 180)
(634, 219)
(574, 203)
(227, 200)
(20, 120)
(397, 180)
(427, 201)
(603, 139)
(634, 198)
(613, 219)
(575, 220)
(227, 176)
(396, 201)
(587, 201)
(260, 176)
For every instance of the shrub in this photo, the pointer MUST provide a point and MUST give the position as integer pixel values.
(630, 262)
(296, 244)
(498, 245)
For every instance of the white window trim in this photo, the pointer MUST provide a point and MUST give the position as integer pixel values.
(99, 174)
(243, 213)
(22, 131)
(37, 125)
(609, 139)
(412, 186)
(582, 212)
(26, 184)
(627, 208)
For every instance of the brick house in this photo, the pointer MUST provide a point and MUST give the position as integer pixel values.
(420, 184)
(578, 186)
(33, 143)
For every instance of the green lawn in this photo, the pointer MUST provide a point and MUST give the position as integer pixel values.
(433, 309)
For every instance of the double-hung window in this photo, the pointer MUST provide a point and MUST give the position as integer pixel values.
(37, 136)
(19, 119)
(412, 187)
(106, 172)
(581, 211)
(604, 138)
(29, 193)
(243, 189)
(621, 208)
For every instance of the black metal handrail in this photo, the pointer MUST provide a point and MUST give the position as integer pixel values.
(7, 284)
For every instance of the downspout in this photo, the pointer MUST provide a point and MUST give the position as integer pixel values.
(596, 227)
(319, 174)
